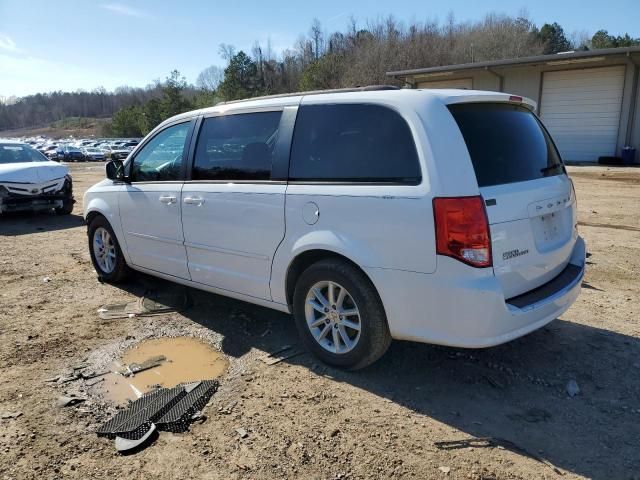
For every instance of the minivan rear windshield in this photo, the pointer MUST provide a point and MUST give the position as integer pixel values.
(506, 143)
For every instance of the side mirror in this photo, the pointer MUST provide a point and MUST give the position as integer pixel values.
(115, 170)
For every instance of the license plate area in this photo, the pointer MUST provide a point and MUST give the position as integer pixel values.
(550, 227)
(551, 230)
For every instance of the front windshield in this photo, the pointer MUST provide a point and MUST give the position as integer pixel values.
(19, 153)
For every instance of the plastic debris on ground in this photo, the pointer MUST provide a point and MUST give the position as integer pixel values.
(287, 351)
(152, 303)
(134, 368)
(164, 409)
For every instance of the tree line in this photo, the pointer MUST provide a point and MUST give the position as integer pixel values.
(358, 55)
(44, 108)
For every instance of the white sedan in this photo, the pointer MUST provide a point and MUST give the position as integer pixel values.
(30, 181)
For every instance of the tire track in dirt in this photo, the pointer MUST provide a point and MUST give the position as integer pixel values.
(609, 225)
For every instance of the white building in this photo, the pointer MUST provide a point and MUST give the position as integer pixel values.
(588, 100)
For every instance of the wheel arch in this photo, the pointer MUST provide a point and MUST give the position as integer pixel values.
(305, 259)
(91, 215)
(98, 207)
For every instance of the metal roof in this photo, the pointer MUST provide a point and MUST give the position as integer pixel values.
(558, 57)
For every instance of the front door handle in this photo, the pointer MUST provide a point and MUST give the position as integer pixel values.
(167, 199)
(193, 200)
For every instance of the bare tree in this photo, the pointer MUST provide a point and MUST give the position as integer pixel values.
(317, 37)
(209, 78)
(226, 51)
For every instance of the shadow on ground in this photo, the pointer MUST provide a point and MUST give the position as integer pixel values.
(24, 223)
(513, 396)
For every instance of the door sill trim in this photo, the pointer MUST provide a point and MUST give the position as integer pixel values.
(218, 291)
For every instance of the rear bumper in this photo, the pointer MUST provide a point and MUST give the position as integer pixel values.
(463, 307)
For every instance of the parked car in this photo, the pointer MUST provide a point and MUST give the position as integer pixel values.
(51, 152)
(119, 153)
(83, 143)
(30, 181)
(93, 154)
(440, 216)
(70, 154)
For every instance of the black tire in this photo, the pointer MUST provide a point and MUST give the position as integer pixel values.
(67, 203)
(66, 208)
(121, 271)
(374, 334)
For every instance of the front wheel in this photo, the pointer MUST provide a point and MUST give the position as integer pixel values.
(106, 254)
(339, 315)
(67, 201)
(67, 206)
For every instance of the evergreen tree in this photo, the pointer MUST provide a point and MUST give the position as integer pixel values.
(126, 122)
(240, 78)
(554, 39)
(173, 100)
(602, 39)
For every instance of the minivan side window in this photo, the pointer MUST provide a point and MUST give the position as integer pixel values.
(353, 143)
(161, 158)
(236, 147)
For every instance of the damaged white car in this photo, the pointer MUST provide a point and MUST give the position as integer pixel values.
(29, 181)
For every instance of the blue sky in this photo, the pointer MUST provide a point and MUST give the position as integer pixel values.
(48, 45)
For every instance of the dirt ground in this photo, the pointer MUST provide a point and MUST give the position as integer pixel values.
(423, 411)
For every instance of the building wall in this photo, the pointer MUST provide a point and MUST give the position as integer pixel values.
(527, 81)
(635, 121)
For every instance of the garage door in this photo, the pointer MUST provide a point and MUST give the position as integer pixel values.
(581, 109)
(459, 83)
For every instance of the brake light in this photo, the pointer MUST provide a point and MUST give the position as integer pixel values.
(515, 98)
(462, 230)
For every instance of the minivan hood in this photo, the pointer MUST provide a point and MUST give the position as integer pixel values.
(32, 172)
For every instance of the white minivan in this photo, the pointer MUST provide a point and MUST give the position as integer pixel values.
(440, 216)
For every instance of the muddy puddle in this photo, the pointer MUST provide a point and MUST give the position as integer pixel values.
(178, 360)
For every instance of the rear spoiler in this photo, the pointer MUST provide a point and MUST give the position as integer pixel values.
(492, 97)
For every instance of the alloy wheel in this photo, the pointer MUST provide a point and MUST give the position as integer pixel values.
(104, 250)
(333, 317)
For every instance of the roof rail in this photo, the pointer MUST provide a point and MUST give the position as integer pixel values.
(368, 88)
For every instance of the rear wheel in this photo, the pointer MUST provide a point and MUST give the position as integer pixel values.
(339, 315)
(106, 254)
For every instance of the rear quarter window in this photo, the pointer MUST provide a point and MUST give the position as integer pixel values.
(353, 143)
(506, 142)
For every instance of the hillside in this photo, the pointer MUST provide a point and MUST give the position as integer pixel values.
(77, 127)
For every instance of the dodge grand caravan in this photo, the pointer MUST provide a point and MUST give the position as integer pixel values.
(440, 216)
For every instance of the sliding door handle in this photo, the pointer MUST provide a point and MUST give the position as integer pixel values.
(194, 200)
(167, 199)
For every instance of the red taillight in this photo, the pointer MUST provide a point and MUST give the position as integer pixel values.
(462, 230)
(515, 98)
